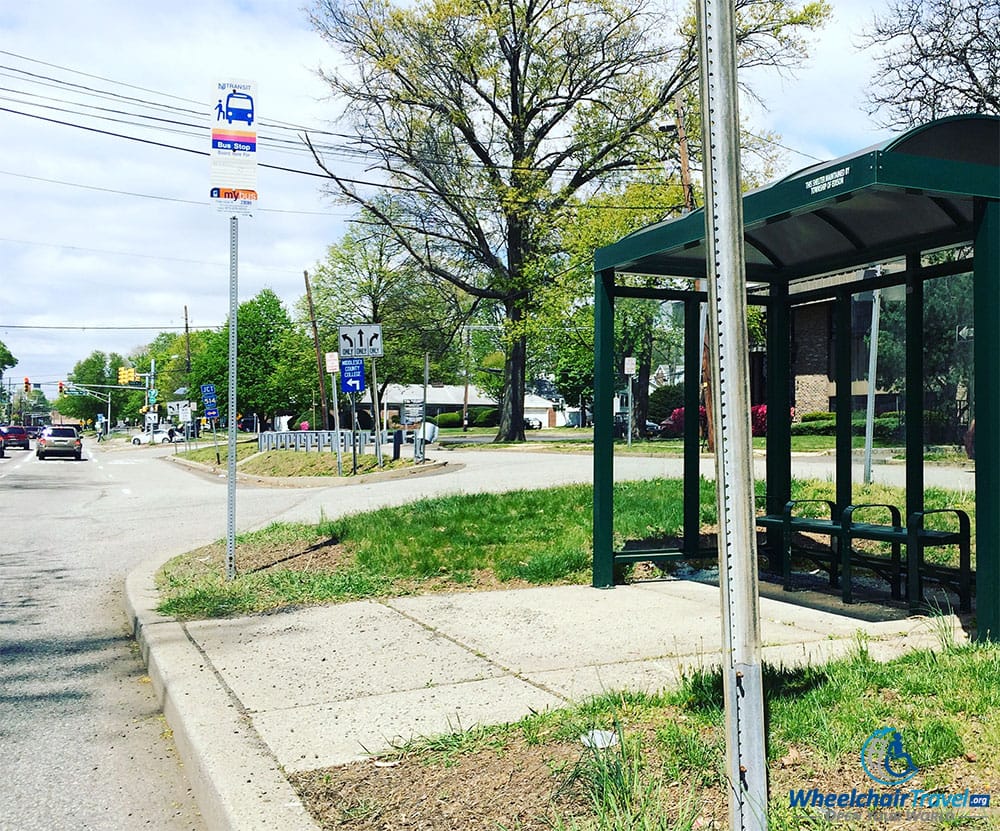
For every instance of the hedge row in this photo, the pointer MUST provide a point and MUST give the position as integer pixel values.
(888, 429)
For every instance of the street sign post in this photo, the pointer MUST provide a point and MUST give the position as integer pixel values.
(361, 340)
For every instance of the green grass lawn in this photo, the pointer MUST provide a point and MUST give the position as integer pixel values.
(540, 537)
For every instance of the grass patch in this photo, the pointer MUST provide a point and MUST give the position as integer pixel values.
(665, 768)
(468, 542)
(209, 454)
(290, 463)
(299, 463)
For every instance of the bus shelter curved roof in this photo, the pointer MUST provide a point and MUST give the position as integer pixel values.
(913, 192)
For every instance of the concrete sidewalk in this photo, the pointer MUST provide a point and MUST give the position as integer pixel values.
(250, 698)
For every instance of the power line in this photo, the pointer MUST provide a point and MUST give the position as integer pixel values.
(88, 327)
(153, 195)
(162, 122)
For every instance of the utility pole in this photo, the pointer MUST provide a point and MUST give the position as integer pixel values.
(187, 341)
(682, 146)
(319, 355)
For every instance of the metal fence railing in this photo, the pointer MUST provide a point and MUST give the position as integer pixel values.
(318, 440)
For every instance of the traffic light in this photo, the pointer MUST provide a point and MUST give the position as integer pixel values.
(60, 387)
(122, 376)
(27, 384)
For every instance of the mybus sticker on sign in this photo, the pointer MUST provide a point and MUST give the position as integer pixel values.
(233, 193)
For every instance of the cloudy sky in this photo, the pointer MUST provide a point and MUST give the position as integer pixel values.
(105, 240)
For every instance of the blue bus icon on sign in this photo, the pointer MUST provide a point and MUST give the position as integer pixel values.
(239, 107)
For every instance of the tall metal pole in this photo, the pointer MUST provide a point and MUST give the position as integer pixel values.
(375, 417)
(319, 355)
(746, 760)
(872, 369)
(682, 145)
(231, 415)
(336, 423)
(187, 342)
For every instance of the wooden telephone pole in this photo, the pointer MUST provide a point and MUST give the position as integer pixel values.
(319, 355)
(706, 376)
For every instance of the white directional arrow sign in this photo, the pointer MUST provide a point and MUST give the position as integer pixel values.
(361, 340)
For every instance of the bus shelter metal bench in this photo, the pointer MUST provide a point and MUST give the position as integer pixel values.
(841, 557)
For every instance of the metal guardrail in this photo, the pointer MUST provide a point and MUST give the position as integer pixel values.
(318, 440)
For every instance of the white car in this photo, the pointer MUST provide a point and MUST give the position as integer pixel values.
(159, 437)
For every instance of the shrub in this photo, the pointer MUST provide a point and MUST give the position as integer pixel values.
(814, 428)
(758, 420)
(886, 429)
(664, 400)
(484, 417)
(676, 426)
(817, 415)
(449, 420)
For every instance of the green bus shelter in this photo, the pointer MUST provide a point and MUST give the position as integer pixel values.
(807, 238)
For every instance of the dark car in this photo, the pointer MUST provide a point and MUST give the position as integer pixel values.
(14, 435)
(532, 423)
(59, 441)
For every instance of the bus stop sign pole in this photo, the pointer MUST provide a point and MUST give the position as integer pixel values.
(233, 411)
(746, 761)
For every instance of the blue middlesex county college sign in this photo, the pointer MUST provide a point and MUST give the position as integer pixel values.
(352, 375)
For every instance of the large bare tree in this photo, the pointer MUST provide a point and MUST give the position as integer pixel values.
(935, 58)
(485, 118)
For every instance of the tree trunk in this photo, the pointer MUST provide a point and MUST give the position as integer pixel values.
(512, 407)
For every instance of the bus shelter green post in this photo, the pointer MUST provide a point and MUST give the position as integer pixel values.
(604, 375)
(986, 302)
(779, 422)
(913, 404)
(692, 423)
(842, 371)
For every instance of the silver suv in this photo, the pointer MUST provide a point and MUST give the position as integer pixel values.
(59, 441)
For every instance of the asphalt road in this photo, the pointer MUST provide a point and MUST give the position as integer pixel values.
(82, 741)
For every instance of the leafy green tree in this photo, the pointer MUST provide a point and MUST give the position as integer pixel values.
(275, 361)
(100, 372)
(7, 360)
(947, 358)
(490, 120)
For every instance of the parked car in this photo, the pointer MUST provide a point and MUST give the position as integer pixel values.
(532, 423)
(160, 436)
(14, 435)
(59, 441)
(2, 447)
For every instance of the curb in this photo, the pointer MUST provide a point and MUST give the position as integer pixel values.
(427, 469)
(237, 782)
